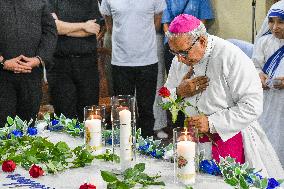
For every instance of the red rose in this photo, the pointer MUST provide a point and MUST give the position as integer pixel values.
(8, 166)
(164, 92)
(36, 171)
(87, 186)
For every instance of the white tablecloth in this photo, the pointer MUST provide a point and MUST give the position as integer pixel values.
(73, 178)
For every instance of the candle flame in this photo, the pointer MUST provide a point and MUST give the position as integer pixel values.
(185, 134)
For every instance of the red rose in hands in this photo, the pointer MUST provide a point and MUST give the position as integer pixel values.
(8, 166)
(87, 186)
(36, 171)
(164, 92)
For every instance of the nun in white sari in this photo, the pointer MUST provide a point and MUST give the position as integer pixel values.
(222, 82)
(268, 58)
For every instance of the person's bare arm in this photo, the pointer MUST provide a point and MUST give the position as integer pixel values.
(80, 29)
(165, 27)
(157, 21)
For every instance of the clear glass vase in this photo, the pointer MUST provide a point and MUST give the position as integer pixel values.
(124, 129)
(186, 158)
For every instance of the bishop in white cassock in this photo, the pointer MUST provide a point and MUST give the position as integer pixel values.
(222, 82)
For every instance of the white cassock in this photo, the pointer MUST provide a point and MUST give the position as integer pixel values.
(272, 118)
(232, 101)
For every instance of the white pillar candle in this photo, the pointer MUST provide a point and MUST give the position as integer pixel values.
(94, 135)
(185, 161)
(125, 138)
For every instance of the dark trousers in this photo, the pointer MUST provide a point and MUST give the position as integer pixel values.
(73, 84)
(20, 94)
(168, 57)
(143, 79)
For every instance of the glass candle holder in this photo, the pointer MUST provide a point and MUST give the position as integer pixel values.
(124, 129)
(186, 159)
(94, 117)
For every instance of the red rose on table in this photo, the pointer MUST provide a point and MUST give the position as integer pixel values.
(87, 186)
(8, 166)
(164, 92)
(36, 171)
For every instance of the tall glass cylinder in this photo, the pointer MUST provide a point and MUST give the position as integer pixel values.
(186, 159)
(94, 117)
(124, 129)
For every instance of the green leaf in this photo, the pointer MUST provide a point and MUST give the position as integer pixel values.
(10, 120)
(108, 176)
(264, 183)
(140, 167)
(243, 183)
(232, 181)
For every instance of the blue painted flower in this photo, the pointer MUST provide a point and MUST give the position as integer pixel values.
(144, 147)
(32, 131)
(249, 180)
(54, 122)
(209, 167)
(16, 133)
(153, 153)
(78, 126)
(272, 183)
(258, 175)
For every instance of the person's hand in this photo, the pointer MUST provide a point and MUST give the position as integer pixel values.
(280, 84)
(14, 66)
(263, 78)
(92, 27)
(29, 61)
(191, 87)
(200, 122)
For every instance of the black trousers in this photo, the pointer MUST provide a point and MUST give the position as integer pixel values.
(20, 94)
(73, 84)
(168, 57)
(143, 80)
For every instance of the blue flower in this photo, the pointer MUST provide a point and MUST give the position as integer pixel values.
(54, 122)
(16, 133)
(258, 175)
(144, 148)
(209, 167)
(153, 153)
(272, 183)
(249, 180)
(78, 126)
(32, 131)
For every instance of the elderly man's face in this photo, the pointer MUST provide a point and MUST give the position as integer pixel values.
(188, 50)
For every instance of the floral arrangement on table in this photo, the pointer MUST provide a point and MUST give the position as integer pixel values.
(38, 155)
(63, 124)
(17, 128)
(130, 178)
(19, 145)
(240, 176)
(153, 148)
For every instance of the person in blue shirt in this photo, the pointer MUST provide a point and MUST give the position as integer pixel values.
(201, 9)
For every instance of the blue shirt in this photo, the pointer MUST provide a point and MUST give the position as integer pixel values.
(201, 9)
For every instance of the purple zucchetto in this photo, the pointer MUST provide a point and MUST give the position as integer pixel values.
(184, 23)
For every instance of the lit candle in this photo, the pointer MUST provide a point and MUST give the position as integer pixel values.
(94, 135)
(125, 138)
(185, 160)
